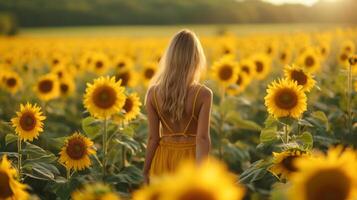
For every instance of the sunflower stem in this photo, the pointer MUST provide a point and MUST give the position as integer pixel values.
(104, 146)
(349, 97)
(68, 170)
(19, 164)
(286, 133)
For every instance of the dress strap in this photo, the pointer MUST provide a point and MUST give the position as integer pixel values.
(158, 111)
(193, 110)
(194, 102)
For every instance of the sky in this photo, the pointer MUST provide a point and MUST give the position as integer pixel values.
(306, 2)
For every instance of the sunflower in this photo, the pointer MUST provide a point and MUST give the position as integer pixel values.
(28, 123)
(11, 81)
(154, 191)
(67, 86)
(104, 97)
(262, 65)
(85, 60)
(123, 62)
(192, 182)
(61, 72)
(247, 66)
(283, 163)
(324, 49)
(57, 59)
(10, 188)
(348, 46)
(241, 83)
(342, 58)
(225, 71)
(127, 76)
(47, 87)
(303, 78)
(285, 56)
(97, 191)
(76, 151)
(326, 177)
(353, 60)
(148, 72)
(285, 99)
(131, 108)
(100, 63)
(310, 60)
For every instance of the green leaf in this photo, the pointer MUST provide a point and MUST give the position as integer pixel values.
(235, 119)
(307, 139)
(271, 122)
(319, 115)
(10, 138)
(269, 134)
(91, 127)
(32, 150)
(255, 172)
(40, 170)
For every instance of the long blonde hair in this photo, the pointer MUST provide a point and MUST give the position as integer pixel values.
(179, 68)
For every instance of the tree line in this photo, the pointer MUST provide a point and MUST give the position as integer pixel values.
(37, 13)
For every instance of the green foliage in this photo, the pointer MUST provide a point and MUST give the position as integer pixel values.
(104, 12)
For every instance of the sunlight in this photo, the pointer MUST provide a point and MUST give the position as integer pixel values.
(305, 2)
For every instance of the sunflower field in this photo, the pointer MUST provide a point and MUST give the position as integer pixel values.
(283, 125)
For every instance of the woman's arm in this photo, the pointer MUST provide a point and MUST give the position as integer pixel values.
(203, 140)
(154, 137)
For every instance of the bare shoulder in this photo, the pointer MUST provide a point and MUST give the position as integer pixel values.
(150, 93)
(206, 93)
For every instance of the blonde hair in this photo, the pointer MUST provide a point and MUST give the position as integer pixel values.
(179, 68)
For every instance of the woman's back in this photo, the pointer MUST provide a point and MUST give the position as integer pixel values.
(178, 108)
(188, 125)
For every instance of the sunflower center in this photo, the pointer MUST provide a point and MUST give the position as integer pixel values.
(121, 64)
(128, 105)
(149, 73)
(323, 51)
(11, 82)
(99, 64)
(343, 57)
(309, 61)
(225, 73)
(55, 61)
(64, 88)
(239, 80)
(5, 189)
(59, 74)
(154, 196)
(288, 163)
(348, 49)
(45, 86)
(104, 97)
(259, 66)
(27, 121)
(76, 148)
(226, 51)
(246, 69)
(328, 184)
(299, 76)
(283, 56)
(286, 99)
(197, 194)
(270, 50)
(124, 76)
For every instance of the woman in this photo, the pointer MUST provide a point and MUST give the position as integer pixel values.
(178, 108)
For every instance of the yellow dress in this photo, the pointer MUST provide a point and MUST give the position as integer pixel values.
(169, 155)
